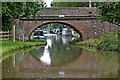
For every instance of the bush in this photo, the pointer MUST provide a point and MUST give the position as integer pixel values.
(108, 41)
(89, 42)
(74, 41)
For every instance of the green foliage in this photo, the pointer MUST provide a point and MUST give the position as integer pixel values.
(89, 43)
(74, 41)
(74, 4)
(70, 4)
(10, 10)
(14, 10)
(31, 36)
(37, 40)
(108, 41)
(110, 11)
(119, 40)
(31, 8)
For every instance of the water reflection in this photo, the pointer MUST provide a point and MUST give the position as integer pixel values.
(61, 74)
(57, 59)
(45, 58)
(14, 60)
(56, 52)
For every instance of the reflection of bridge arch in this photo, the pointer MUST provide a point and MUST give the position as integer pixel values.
(61, 22)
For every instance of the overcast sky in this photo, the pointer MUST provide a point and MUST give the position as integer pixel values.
(48, 2)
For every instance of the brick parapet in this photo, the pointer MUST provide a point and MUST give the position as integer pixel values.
(68, 11)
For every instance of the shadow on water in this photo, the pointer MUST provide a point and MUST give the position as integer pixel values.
(57, 59)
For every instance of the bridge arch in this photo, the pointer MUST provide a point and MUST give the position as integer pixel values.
(65, 23)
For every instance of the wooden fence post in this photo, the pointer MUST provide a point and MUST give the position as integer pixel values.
(13, 28)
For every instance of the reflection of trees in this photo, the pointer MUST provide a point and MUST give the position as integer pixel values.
(108, 59)
(61, 53)
(37, 52)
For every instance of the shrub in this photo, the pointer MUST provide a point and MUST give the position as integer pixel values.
(89, 42)
(74, 41)
(108, 41)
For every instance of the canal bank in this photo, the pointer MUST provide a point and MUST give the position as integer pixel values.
(9, 46)
(105, 42)
(60, 60)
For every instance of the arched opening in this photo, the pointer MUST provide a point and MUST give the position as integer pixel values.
(57, 45)
(67, 24)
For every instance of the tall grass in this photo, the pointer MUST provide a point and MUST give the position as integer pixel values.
(108, 41)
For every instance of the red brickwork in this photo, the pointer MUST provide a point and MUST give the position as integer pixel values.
(68, 11)
(84, 27)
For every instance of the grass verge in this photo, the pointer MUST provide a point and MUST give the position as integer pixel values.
(9, 46)
(37, 40)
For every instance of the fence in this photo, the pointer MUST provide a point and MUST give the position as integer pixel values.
(5, 35)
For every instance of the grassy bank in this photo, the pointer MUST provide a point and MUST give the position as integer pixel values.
(8, 46)
(15, 52)
(107, 41)
(88, 43)
(37, 40)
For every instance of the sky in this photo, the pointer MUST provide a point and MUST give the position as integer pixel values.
(48, 2)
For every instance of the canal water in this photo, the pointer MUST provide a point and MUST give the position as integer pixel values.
(58, 59)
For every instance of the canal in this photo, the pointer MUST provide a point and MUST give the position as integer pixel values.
(58, 59)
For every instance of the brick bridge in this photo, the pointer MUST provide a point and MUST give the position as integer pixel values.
(83, 20)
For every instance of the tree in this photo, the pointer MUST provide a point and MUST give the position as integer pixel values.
(14, 10)
(110, 12)
(70, 4)
(73, 4)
